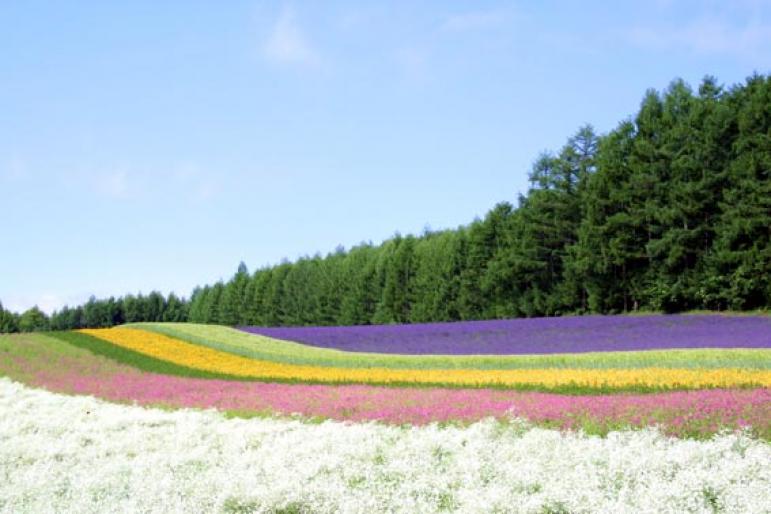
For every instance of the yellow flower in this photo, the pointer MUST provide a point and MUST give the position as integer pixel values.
(200, 357)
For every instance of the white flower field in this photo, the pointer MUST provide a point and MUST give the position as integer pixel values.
(79, 454)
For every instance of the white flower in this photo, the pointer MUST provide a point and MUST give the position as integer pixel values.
(78, 454)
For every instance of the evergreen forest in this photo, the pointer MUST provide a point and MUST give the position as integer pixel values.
(670, 211)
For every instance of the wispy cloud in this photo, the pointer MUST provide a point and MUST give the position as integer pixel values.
(113, 183)
(415, 59)
(359, 17)
(288, 44)
(185, 181)
(708, 36)
(413, 62)
(196, 184)
(47, 302)
(474, 20)
(14, 169)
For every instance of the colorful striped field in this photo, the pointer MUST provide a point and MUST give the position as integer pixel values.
(522, 336)
(206, 359)
(687, 392)
(74, 364)
(288, 352)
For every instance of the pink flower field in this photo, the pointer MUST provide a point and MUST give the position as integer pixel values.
(686, 413)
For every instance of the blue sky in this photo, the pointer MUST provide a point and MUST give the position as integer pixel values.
(154, 145)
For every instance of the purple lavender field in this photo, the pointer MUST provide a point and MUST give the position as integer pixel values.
(576, 334)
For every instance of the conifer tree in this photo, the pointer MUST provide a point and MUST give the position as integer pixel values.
(7, 321)
(33, 320)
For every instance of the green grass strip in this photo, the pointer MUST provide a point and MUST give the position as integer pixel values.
(35, 345)
(67, 343)
(135, 359)
(255, 346)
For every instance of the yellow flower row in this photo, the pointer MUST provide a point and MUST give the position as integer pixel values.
(207, 359)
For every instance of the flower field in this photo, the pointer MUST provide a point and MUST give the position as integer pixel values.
(80, 454)
(538, 335)
(54, 364)
(634, 423)
(278, 350)
(685, 391)
(202, 358)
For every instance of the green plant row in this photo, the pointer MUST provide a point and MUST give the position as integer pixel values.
(132, 358)
(142, 362)
(265, 348)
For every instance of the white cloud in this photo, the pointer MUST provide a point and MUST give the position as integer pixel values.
(50, 302)
(415, 59)
(361, 17)
(205, 191)
(113, 183)
(414, 62)
(186, 180)
(193, 182)
(476, 20)
(15, 169)
(47, 302)
(708, 36)
(287, 43)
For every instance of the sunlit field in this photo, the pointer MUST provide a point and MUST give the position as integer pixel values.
(315, 428)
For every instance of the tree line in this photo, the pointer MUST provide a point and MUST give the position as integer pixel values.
(669, 211)
(98, 313)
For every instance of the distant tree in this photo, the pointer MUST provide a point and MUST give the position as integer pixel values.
(8, 322)
(438, 265)
(738, 274)
(131, 309)
(483, 240)
(331, 287)
(155, 305)
(198, 301)
(529, 272)
(611, 239)
(392, 273)
(176, 309)
(358, 306)
(95, 314)
(68, 318)
(212, 308)
(302, 290)
(33, 320)
(232, 307)
(256, 294)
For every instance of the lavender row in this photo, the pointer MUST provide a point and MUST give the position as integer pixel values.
(576, 334)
